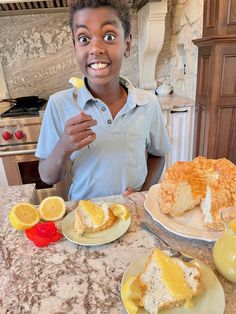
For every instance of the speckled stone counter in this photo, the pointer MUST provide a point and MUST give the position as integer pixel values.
(173, 101)
(68, 278)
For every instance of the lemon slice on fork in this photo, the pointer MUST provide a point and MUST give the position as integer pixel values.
(77, 82)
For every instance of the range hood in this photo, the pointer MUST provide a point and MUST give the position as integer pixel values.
(17, 7)
(23, 7)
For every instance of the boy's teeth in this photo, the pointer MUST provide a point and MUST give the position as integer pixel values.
(97, 66)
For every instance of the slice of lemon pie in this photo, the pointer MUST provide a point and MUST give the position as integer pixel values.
(168, 282)
(93, 217)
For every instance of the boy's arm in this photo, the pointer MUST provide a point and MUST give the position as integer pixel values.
(53, 169)
(77, 134)
(155, 166)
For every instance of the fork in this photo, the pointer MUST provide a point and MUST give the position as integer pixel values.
(81, 111)
(173, 252)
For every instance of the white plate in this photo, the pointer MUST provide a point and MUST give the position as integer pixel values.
(189, 225)
(97, 238)
(211, 299)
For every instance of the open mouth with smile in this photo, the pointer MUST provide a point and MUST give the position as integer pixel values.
(99, 67)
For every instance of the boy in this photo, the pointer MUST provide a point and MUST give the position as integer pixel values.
(109, 131)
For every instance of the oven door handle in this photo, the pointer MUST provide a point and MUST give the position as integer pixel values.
(17, 152)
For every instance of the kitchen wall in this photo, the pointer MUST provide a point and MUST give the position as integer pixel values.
(37, 55)
(184, 22)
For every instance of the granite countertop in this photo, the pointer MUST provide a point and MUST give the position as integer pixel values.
(173, 101)
(69, 278)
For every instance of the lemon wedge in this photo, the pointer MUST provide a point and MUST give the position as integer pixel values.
(130, 293)
(232, 224)
(120, 211)
(77, 82)
(23, 216)
(52, 208)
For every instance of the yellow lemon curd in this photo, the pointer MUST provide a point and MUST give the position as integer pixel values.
(95, 212)
(224, 252)
(173, 277)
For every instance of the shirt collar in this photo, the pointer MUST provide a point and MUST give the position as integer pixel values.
(134, 97)
(84, 96)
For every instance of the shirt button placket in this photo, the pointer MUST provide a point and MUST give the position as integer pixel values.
(103, 108)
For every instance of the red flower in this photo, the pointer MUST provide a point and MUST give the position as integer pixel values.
(43, 233)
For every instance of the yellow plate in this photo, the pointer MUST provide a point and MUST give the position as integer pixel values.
(211, 300)
(97, 238)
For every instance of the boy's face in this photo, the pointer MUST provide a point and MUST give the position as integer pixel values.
(100, 44)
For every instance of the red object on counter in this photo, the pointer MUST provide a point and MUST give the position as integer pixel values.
(19, 134)
(6, 135)
(43, 233)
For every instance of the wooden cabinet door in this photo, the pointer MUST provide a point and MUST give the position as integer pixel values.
(219, 17)
(216, 102)
(225, 107)
(215, 117)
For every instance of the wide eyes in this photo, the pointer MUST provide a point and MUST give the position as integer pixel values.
(84, 39)
(109, 37)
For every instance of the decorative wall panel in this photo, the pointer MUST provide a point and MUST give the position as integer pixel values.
(226, 129)
(228, 86)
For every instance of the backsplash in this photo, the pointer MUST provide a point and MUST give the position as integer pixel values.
(37, 54)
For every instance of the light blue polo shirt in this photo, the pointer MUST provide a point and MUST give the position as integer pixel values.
(117, 158)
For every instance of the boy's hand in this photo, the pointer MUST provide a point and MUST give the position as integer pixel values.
(128, 191)
(78, 133)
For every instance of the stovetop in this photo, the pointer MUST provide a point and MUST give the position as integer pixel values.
(18, 110)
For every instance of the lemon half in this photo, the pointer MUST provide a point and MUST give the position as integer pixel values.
(23, 216)
(52, 208)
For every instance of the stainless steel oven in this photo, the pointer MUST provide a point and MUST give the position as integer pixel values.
(18, 164)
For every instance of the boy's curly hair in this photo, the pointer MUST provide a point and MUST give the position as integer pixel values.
(121, 6)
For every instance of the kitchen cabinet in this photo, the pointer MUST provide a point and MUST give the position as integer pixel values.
(215, 135)
(181, 135)
(178, 115)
